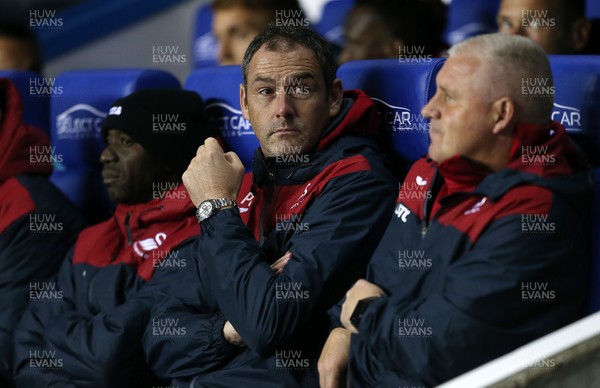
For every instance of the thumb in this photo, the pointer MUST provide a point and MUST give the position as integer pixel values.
(233, 159)
(213, 144)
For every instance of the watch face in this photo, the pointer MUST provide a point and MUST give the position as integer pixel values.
(205, 210)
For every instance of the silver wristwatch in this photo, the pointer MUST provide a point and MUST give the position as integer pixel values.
(211, 206)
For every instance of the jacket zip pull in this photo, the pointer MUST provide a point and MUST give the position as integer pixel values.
(269, 196)
(128, 229)
(428, 203)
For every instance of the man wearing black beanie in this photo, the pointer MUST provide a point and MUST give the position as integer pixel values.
(87, 332)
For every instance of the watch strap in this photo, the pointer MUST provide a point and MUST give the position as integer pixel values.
(360, 309)
(214, 205)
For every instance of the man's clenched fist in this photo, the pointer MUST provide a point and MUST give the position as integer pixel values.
(213, 173)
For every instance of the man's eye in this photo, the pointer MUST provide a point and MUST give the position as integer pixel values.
(240, 34)
(265, 91)
(126, 141)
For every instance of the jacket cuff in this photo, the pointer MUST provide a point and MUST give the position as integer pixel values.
(334, 316)
(209, 225)
(371, 314)
(218, 341)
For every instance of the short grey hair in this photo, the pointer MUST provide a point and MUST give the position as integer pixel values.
(513, 62)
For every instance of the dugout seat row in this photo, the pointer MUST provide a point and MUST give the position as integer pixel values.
(399, 89)
(467, 18)
(222, 101)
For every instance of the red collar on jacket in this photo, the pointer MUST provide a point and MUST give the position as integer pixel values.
(361, 119)
(545, 151)
(140, 235)
(17, 139)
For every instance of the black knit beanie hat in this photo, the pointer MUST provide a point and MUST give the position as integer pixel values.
(169, 123)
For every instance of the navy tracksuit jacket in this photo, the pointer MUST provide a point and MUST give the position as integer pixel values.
(38, 223)
(476, 264)
(329, 212)
(88, 332)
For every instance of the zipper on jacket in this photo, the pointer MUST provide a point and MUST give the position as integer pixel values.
(128, 229)
(428, 203)
(266, 208)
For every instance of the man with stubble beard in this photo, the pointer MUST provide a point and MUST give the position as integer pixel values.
(90, 334)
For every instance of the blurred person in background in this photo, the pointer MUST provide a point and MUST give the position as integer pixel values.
(31, 247)
(559, 26)
(19, 49)
(377, 29)
(237, 22)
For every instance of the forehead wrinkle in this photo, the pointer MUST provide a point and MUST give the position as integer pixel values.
(302, 75)
(268, 76)
(464, 72)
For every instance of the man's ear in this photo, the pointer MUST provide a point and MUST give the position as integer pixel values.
(503, 113)
(244, 102)
(336, 95)
(580, 33)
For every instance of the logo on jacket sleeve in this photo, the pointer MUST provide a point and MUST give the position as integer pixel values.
(301, 197)
(402, 212)
(420, 181)
(245, 203)
(476, 208)
(141, 247)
